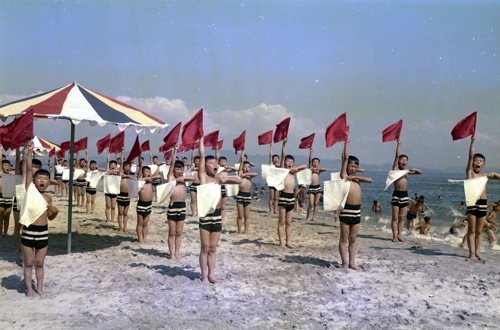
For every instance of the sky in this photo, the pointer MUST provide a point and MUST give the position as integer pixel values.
(251, 64)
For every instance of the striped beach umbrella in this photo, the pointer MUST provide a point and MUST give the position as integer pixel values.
(41, 147)
(77, 103)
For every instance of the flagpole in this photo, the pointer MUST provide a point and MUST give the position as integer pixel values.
(70, 188)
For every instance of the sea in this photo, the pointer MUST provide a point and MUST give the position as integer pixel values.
(442, 196)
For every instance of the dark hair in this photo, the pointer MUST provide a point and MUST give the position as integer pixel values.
(113, 162)
(479, 156)
(41, 172)
(246, 157)
(61, 159)
(81, 159)
(207, 158)
(3, 156)
(93, 162)
(5, 161)
(155, 157)
(184, 158)
(421, 199)
(403, 156)
(145, 168)
(275, 156)
(222, 157)
(427, 218)
(315, 158)
(353, 159)
(375, 202)
(179, 163)
(246, 163)
(289, 157)
(196, 157)
(125, 163)
(36, 162)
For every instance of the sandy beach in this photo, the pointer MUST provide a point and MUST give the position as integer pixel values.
(110, 282)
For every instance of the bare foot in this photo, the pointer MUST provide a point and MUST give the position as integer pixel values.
(400, 239)
(313, 220)
(176, 255)
(471, 258)
(30, 294)
(282, 244)
(275, 212)
(288, 245)
(355, 267)
(40, 292)
(480, 258)
(345, 266)
(212, 279)
(462, 246)
(307, 219)
(395, 240)
(205, 280)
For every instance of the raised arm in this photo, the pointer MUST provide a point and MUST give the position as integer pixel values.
(240, 169)
(87, 164)
(283, 153)
(310, 157)
(191, 165)
(396, 158)
(139, 169)
(172, 165)
(201, 167)
(18, 169)
(28, 156)
(345, 158)
(468, 170)
(271, 153)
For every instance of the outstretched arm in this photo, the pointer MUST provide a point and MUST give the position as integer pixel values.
(414, 171)
(396, 158)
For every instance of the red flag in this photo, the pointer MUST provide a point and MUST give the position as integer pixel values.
(193, 129)
(136, 150)
(266, 138)
(173, 137)
(52, 152)
(210, 139)
(307, 142)
(167, 154)
(145, 146)
(103, 144)
(336, 131)
(239, 142)
(392, 132)
(65, 146)
(218, 145)
(4, 137)
(80, 145)
(61, 153)
(21, 129)
(116, 143)
(281, 130)
(466, 127)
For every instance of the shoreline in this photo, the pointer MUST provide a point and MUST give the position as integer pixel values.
(111, 282)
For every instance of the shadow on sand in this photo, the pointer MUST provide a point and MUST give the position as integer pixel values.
(170, 271)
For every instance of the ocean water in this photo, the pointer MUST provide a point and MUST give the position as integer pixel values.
(431, 185)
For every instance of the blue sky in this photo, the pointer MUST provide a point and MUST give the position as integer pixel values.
(251, 64)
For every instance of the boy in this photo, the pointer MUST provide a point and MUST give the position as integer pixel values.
(176, 213)
(145, 201)
(399, 202)
(411, 215)
(34, 238)
(210, 225)
(274, 160)
(222, 161)
(376, 207)
(111, 169)
(286, 200)
(5, 201)
(244, 199)
(123, 199)
(81, 183)
(350, 216)
(476, 214)
(300, 195)
(195, 161)
(315, 191)
(425, 227)
(91, 192)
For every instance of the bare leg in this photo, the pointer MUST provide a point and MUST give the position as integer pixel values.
(223, 210)
(172, 229)
(281, 224)
(92, 203)
(214, 240)
(28, 262)
(87, 204)
(288, 229)
(108, 208)
(353, 234)
(316, 203)
(139, 228)
(39, 260)
(398, 215)
(344, 237)
(239, 218)
(478, 237)
(178, 238)
(145, 222)
(17, 231)
(309, 206)
(205, 249)
(120, 217)
(194, 212)
(246, 215)
(6, 221)
(471, 233)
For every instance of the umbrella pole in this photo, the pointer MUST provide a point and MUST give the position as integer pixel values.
(70, 195)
